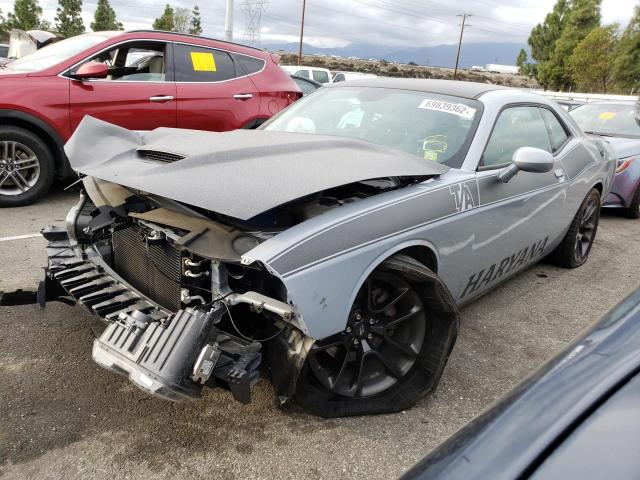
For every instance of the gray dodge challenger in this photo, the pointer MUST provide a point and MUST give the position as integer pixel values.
(328, 251)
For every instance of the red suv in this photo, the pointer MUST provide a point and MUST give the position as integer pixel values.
(139, 80)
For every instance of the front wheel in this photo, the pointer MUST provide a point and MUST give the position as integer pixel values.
(392, 351)
(576, 244)
(27, 168)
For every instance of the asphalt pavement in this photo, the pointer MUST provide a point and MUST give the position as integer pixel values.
(61, 416)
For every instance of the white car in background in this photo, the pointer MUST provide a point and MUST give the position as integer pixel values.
(346, 76)
(321, 75)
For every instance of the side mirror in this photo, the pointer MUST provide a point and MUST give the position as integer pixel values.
(527, 159)
(91, 70)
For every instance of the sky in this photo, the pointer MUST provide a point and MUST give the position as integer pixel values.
(336, 23)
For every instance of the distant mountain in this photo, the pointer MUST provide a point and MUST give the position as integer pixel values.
(437, 56)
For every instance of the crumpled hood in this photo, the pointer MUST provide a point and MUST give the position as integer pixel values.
(241, 173)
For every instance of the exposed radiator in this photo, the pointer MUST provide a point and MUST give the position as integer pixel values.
(153, 269)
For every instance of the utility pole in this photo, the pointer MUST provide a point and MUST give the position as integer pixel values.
(464, 19)
(228, 22)
(301, 34)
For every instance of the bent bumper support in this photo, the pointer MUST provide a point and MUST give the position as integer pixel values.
(170, 355)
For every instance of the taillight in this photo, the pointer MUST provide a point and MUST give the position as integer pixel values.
(624, 164)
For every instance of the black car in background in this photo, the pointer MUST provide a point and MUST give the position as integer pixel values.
(577, 417)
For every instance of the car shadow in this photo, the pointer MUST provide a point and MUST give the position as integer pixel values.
(54, 395)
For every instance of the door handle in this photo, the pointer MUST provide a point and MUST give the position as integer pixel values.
(161, 98)
(243, 96)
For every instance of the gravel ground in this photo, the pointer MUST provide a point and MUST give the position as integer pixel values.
(64, 417)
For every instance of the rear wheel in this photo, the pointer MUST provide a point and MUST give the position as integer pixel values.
(576, 245)
(391, 353)
(633, 210)
(26, 167)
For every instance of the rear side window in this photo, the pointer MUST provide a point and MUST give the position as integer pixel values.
(302, 73)
(198, 64)
(557, 132)
(321, 76)
(516, 127)
(247, 65)
(339, 77)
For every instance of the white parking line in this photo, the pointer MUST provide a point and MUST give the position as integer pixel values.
(20, 237)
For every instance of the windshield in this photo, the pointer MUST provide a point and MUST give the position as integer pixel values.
(57, 52)
(434, 127)
(612, 119)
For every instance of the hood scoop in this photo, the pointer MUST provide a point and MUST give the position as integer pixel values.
(242, 173)
(160, 156)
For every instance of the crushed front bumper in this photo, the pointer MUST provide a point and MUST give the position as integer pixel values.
(168, 354)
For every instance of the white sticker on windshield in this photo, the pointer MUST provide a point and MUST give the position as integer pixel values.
(459, 109)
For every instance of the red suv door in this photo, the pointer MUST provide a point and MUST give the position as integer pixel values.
(214, 89)
(139, 92)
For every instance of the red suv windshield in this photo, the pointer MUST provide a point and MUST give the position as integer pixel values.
(57, 52)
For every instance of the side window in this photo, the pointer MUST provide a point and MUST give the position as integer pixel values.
(247, 65)
(516, 127)
(321, 76)
(302, 73)
(557, 132)
(138, 61)
(199, 64)
(339, 77)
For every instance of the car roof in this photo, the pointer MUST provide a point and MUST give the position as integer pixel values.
(611, 102)
(178, 34)
(300, 67)
(471, 90)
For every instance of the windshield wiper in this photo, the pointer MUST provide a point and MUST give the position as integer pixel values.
(600, 134)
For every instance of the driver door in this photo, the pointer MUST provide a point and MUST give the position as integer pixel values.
(139, 92)
(518, 222)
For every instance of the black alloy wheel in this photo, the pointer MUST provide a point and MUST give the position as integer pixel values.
(381, 343)
(574, 249)
(587, 228)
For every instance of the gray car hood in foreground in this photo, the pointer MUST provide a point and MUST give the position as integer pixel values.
(241, 173)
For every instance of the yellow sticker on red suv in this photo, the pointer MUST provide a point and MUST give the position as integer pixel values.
(203, 62)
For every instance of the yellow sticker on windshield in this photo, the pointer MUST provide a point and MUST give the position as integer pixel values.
(431, 155)
(203, 62)
(607, 115)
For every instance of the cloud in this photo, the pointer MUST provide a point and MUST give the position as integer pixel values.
(331, 23)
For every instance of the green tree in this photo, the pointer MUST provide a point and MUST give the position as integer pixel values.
(591, 62)
(543, 40)
(26, 15)
(627, 55)
(4, 29)
(165, 21)
(523, 62)
(583, 17)
(68, 18)
(544, 35)
(104, 18)
(196, 25)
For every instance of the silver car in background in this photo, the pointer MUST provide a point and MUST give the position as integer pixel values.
(333, 246)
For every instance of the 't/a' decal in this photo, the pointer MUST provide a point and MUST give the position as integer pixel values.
(462, 197)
